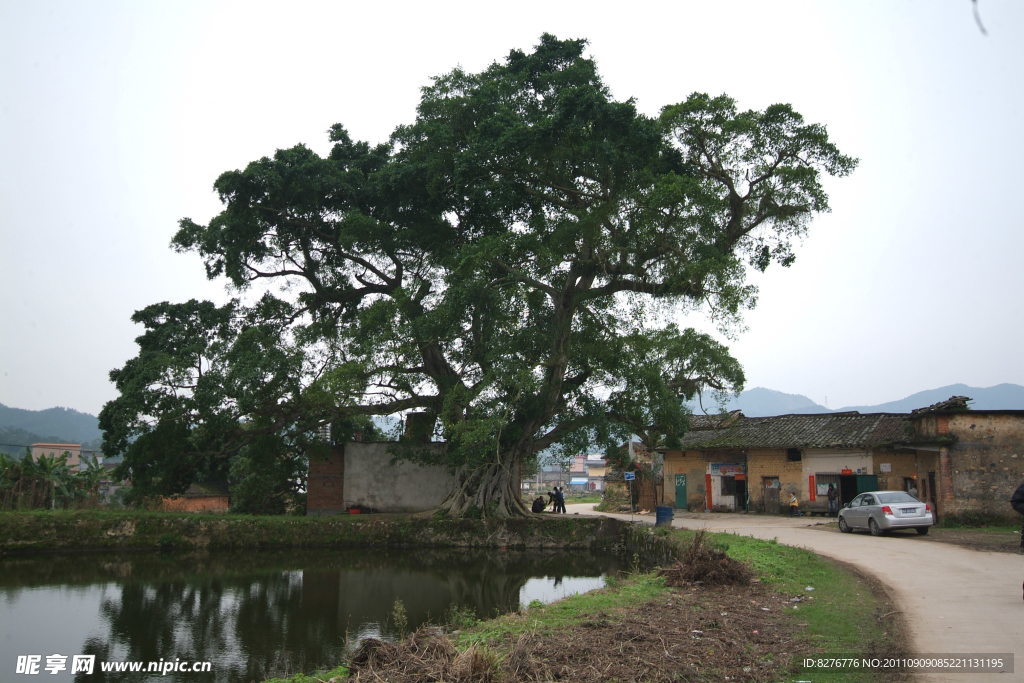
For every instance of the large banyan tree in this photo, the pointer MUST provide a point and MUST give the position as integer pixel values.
(509, 263)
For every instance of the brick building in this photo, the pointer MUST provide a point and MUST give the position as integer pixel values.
(960, 460)
(974, 458)
(369, 476)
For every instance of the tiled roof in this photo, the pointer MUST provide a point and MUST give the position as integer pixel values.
(197, 490)
(829, 430)
(701, 422)
(953, 404)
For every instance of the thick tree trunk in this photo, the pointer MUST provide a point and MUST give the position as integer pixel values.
(490, 491)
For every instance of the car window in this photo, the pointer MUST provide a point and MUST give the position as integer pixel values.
(856, 501)
(897, 497)
(867, 500)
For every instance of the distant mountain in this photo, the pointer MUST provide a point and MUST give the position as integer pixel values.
(19, 428)
(761, 402)
(63, 425)
(999, 397)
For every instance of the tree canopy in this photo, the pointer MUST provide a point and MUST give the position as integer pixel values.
(508, 263)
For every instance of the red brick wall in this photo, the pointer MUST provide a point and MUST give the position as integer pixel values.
(196, 504)
(325, 485)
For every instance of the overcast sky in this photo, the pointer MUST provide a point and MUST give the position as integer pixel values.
(116, 118)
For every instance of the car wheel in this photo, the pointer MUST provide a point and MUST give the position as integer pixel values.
(873, 528)
(843, 526)
(922, 530)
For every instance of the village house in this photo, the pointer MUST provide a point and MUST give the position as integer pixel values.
(56, 450)
(974, 459)
(547, 476)
(961, 461)
(582, 474)
(597, 468)
(578, 480)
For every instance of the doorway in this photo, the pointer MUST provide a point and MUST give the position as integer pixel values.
(932, 497)
(847, 488)
(681, 499)
(741, 493)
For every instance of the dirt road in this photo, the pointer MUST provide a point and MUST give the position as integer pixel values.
(955, 601)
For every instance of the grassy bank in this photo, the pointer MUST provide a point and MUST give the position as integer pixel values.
(801, 605)
(844, 614)
(57, 531)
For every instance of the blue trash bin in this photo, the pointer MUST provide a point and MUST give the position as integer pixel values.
(663, 515)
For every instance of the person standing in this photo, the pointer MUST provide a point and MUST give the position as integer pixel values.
(833, 501)
(560, 499)
(1017, 501)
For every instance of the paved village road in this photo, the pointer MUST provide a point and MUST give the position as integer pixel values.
(954, 600)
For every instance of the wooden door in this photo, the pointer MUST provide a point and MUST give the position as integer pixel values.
(681, 501)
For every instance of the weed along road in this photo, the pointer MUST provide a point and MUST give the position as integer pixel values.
(955, 601)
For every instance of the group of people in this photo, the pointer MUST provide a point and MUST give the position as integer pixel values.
(556, 497)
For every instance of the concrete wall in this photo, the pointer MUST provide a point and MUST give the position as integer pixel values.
(364, 474)
(834, 461)
(371, 479)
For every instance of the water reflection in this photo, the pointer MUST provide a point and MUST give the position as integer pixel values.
(258, 614)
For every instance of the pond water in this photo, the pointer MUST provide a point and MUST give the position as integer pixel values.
(256, 614)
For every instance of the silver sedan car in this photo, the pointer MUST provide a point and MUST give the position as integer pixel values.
(883, 511)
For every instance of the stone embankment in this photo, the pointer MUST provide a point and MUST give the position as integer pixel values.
(34, 532)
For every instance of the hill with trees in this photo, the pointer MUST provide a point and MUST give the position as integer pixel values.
(20, 428)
